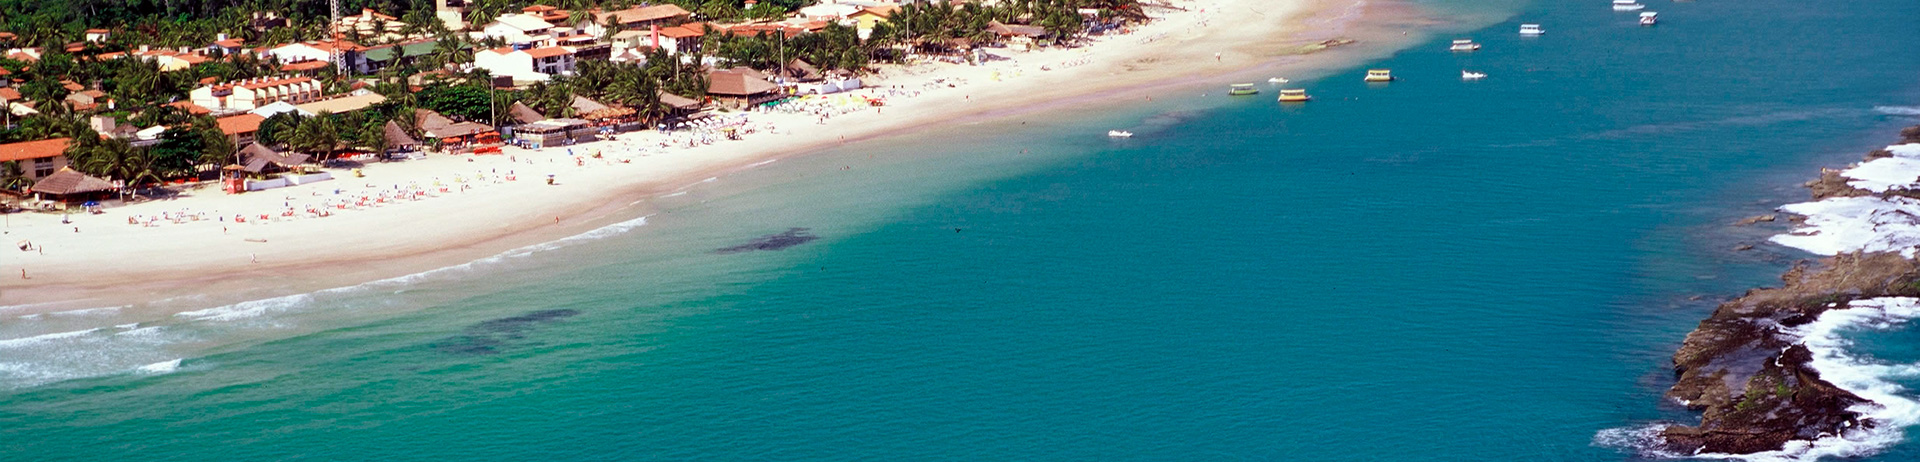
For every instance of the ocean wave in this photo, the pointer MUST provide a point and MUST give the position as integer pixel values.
(39, 339)
(1898, 110)
(1867, 223)
(132, 348)
(1887, 407)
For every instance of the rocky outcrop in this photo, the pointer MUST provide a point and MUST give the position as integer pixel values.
(1743, 367)
(1749, 378)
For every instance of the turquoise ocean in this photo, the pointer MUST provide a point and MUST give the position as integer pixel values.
(1432, 269)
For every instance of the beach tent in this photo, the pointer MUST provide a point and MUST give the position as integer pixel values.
(526, 115)
(68, 184)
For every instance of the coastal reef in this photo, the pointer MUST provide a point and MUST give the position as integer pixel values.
(781, 241)
(489, 337)
(1747, 368)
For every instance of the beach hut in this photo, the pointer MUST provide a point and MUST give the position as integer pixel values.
(68, 185)
(735, 88)
(453, 135)
(679, 107)
(257, 159)
(398, 141)
(523, 114)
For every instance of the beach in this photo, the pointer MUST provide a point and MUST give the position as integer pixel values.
(411, 216)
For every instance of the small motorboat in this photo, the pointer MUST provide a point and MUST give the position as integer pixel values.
(1464, 45)
(1471, 75)
(1627, 5)
(1294, 95)
(1242, 89)
(1531, 29)
(1119, 134)
(1649, 18)
(1378, 75)
(1276, 80)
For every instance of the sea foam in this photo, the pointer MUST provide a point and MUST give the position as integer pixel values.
(144, 347)
(1897, 110)
(1874, 224)
(1888, 407)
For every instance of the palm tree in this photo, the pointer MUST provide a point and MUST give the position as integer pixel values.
(12, 177)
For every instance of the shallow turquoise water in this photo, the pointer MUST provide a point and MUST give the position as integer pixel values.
(1426, 270)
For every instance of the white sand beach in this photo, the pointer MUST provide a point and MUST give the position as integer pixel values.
(410, 216)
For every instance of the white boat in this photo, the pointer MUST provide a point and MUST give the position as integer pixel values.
(1470, 75)
(1649, 18)
(1531, 29)
(1119, 133)
(1276, 80)
(1627, 5)
(1464, 45)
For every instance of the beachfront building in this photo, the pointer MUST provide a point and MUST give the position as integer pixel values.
(322, 51)
(453, 136)
(520, 112)
(554, 132)
(520, 29)
(37, 159)
(243, 95)
(241, 129)
(341, 104)
(740, 87)
(526, 65)
(865, 19)
(637, 18)
(261, 160)
(398, 54)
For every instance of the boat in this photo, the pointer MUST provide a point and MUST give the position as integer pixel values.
(1294, 95)
(1464, 45)
(1119, 134)
(1471, 75)
(1627, 5)
(1649, 18)
(1378, 75)
(1276, 80)
(1243, 89)
(1531, 29)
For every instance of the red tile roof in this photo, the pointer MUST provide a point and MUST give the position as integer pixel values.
(191, 108)
(244, 123)
(33, 149)
(305, 66)
(548, 52)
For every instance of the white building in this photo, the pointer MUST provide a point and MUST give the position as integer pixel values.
(518, 29)
(245, 95)
(324, 51)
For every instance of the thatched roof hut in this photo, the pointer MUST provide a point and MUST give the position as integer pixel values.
(526, 115)
(68, 182)
(256, 158)
(398, 139)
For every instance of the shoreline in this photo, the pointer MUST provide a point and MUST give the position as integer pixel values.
(206, 259)
(1769, 372)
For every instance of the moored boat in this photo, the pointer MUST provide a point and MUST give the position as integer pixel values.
(1294, 95)
(1627, 5)
(1242, 89)
(1531, 29)
(1471, 75)
(1276, 80)
(1119, 134)
(1464, 45)
(1378, 75)
(1649, 18)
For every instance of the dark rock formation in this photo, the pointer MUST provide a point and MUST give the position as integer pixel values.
(1751, 379)
(793, 237)
(489, 337)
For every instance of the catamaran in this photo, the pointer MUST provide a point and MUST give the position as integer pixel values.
(1294, 95)
(1378, 75)
(1531, 29)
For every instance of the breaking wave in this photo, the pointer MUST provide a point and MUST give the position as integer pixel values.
(143, 347)
(1898, 110)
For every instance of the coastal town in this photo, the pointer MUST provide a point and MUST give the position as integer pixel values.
(235, 138)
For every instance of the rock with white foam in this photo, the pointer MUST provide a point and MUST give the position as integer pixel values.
(1848, 224)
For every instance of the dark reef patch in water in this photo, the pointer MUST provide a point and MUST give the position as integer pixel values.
(793, 237)
(489, 337)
